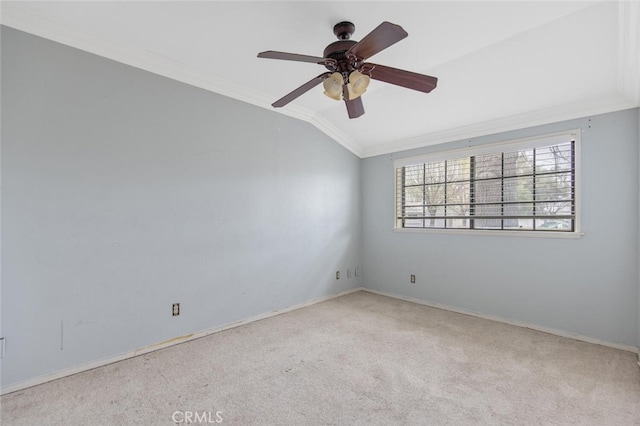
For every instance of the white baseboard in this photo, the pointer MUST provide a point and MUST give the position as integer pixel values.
(161, 345)
(560, 333)
(181, 339)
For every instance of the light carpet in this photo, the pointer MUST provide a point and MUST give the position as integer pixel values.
(354, 360)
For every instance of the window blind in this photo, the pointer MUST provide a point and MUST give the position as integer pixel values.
(526, 188)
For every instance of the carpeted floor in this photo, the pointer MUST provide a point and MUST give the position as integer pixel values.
(358, 359)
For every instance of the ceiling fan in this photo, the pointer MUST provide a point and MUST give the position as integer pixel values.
(348, 74)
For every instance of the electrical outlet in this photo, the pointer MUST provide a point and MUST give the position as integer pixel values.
(2, 347)
(176, 309)
(348, 273)
(413, 279)
(337, 275)
(357, 271)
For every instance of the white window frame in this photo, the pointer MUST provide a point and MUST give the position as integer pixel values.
(495, 148)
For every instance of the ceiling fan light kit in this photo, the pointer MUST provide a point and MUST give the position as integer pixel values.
(358, 84)
(348, 76)
(333, 86)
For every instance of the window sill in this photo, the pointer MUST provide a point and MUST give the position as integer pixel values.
(525, 234)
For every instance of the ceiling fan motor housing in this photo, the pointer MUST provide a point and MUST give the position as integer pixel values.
(337, 49)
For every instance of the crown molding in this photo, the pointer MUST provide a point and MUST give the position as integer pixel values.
(15, 15)
(337, 135)
(594, 106)
(629, 50)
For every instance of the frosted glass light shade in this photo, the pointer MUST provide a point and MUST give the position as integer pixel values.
(333, 86)
(358, 84)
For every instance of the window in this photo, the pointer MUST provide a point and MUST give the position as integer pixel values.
(526, 185)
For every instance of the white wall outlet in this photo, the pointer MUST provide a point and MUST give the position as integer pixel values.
(175, 310)
(337, 275)
(413, 279)
(348, 273)
(357, 271)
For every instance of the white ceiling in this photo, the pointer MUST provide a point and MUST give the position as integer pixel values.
(501, 65)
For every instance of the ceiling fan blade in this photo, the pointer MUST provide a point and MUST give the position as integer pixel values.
(272, 54)
(300, 90)
(383, 36)
(408, 79)
(354, 107)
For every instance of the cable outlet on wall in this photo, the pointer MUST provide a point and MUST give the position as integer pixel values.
(176, 309)
(413, 279)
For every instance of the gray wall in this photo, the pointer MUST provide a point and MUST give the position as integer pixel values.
(587, 286)
(124, 192)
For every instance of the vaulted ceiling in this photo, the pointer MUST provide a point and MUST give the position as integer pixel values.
(500, 65)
